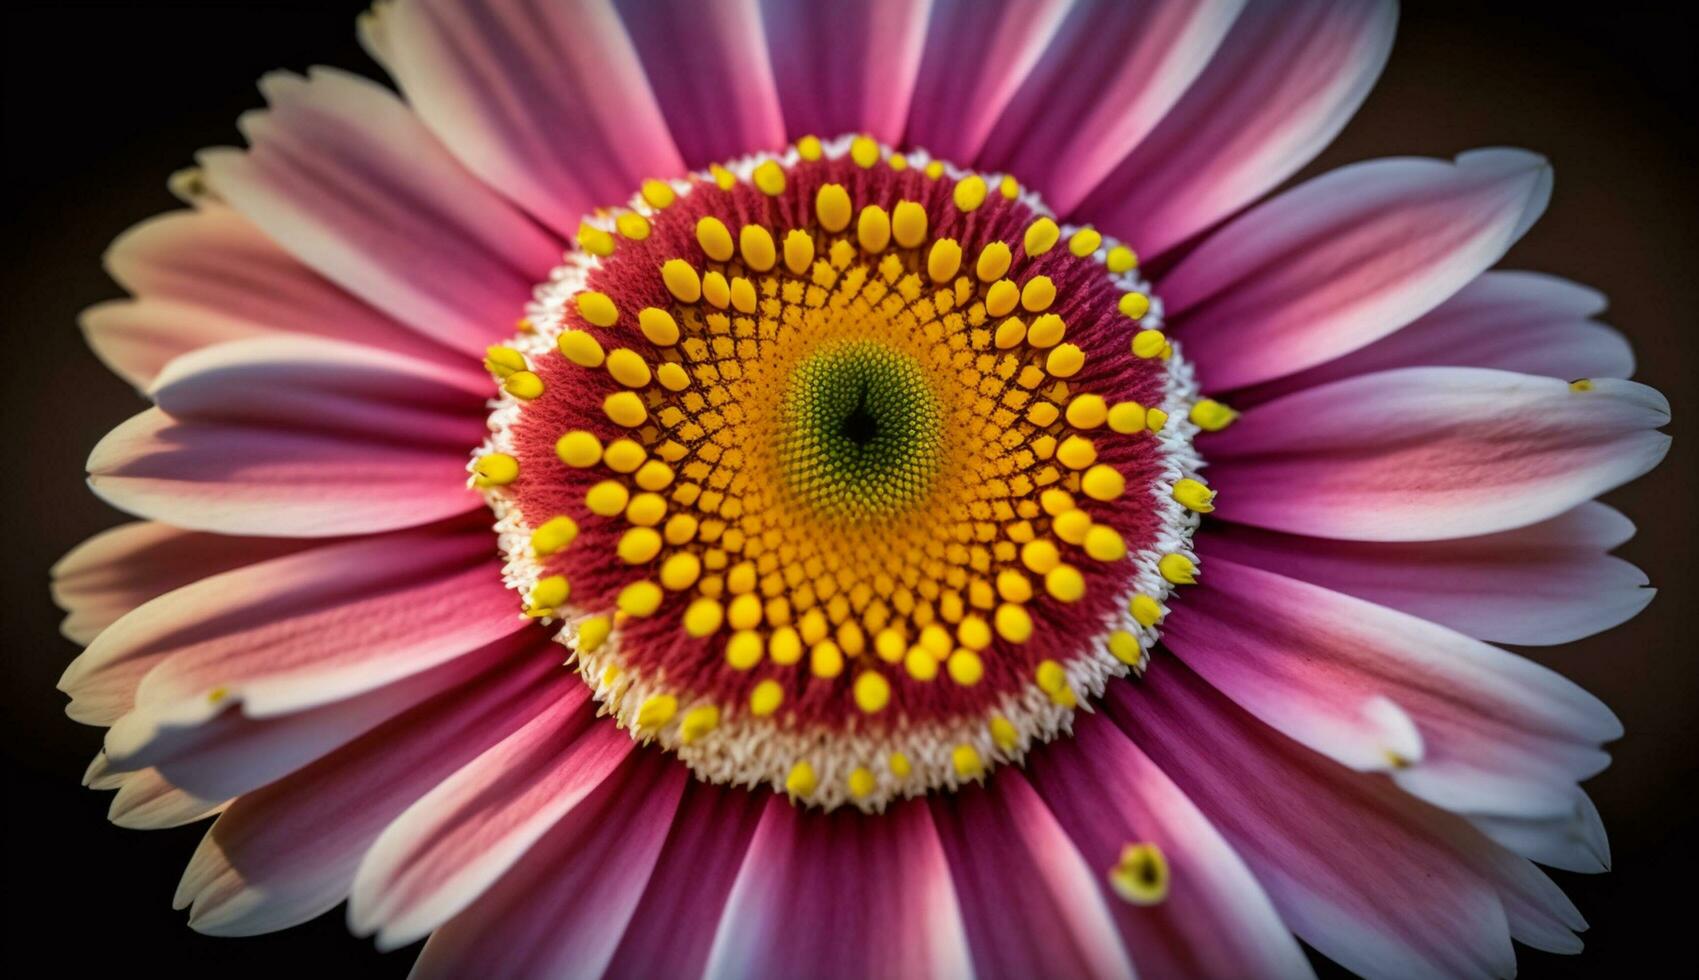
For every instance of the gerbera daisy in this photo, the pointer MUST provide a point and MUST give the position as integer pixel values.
(858, 488)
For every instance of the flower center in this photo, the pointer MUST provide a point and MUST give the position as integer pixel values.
(844, 472)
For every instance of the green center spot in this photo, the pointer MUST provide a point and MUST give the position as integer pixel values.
(860, 431)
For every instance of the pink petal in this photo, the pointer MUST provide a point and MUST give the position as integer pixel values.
(302, 630)
(1215, 920)
(672, 931)
(1345, 259)
(707, 63)
(119, 569)
(240, 479)
(287, 852)
(1284, 82)
(1107, 77)
(1456, 722)
(546, 102)
(974, 59)
(1573, 841)
(847, 66)
(843, 894)
(1360, 879)
(1422, 454)
(1547, 583)
(1031, 904)
(1512, 321)
(147, 800)
(462, 836)
(209, 275)
(561, 911)
(345, 178)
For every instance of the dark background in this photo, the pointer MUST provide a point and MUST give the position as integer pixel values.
(103, 101)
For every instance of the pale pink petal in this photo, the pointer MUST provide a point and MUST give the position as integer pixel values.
(560, 912)
(208, 275)
(1281, 86)
(1215, 920)
(462, 836)
(1354, 876)
(847, 66)
(1345, 259)
(1547, 583)
(1422, 454)
(342, 175)
(974, 59)
(1572, 841)
(1512, 321)
(546, 102)
(147, 800)
(873, 890)
(1539, 913)
(301, 630)
(1110, 74)
(1464, 725)
(287, 852)
(672, 931)
(239, 479)
(119, 569)
(1030, 903)
(707, 63)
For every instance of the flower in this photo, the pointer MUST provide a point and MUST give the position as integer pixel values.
(892, 570)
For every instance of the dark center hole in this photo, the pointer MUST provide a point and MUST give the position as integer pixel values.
(860, 426)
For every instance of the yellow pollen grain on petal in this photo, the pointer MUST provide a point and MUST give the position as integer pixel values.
(503, 361)
(1141, 876)
(638, 545)
(889, 646)
(766, 698)
(965, 667)
(715, 238)
(862, 782)
(1013, 623)
(799, 251)
(769, 178)
(800, 781)
(1121, 259)
(495, 470)
(655, 711)
(1040, 556)
(756, 245)
(550, 592)
(1037, 294)
(974, 632)
(698, 722)
(1084, 242)
(672, 377)
(1072, 526)
(553, 535)
(1155, 419)
(1076, 452)
(786, 646)
(1010, 333)
(832, 206)
(809, 148)
(1065, 583)
(646, 509)
(579, 449)
(1126, 418)
(680, 571)
(1194, 495)
(993, 262)
(607, 498)
(899, 765)
(658, 193)
(1211, 416)
(744, 650)
(625, 408)
(658, 325)
(908, 224)
(580, 348)
(632, 225)
(969, 193)
(1009, 187)
(1124, 646)
(945, 260)
(593, 632)
(1103, 482)
(966, 761)
(1178, 569)
(639, 599)
(921, 663)
(873, 229)
(872, 692)
(1064, 361)
(594, 240)
(864, 150)
(825, 659)
(1146, 611)
(1104, 543)
(703, 617)
(1134, 305)
(1149, 343)
(523, 385)
(1581, 384)
(628, 368)
(1041, 236)
(745, 612)
(681, 280)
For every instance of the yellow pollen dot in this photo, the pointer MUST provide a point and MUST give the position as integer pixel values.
(632, 225)
(625, 408)
(628, 368)
(873, 230)
(503, 361)
(716, 290)
(1084, 242)
(769, 177)
(594, 240)
(1003, 733)
(1211, 416)
(1105, 544)
(825, 659)
(1009, 333)
(899, 765)
(974, 633)
(593, 632)
(889, 646)
(766, 698)
(864, 150)
(756, 244)
(1177, 568)
(672, 377)
(1050, 676)
(744, 612)
(1037, 295)
(1141, 876)
(715, 238)
(646, 509)
(1149, 343)
(1072, 526)
(1065, 361)
(862, 782)
(1065, 583)
(523, 385)
(743, 295)
(785, 646)
(1087, 411)
(965, 667)
(656, 710)
(993, 262)
(809, 148)
(1040, 556)
(1009, 187)
(579, 449)
(703, 617)
(681, 280)
(1155, 419)
(580, 348)
(550, 592)
(934, 170)
(658, 325)
(639, 599)
(1076, 453)
(1581, 384)
(1124, 646)
(724, 179)
(1047, 331)
(908, 224)
(1194, 495)
(495, 470)
(654, 475)
(898, 162)
(1145, 610)
(1013, 623)
(743, 650)
(1041, 236)
(680, 571)
(680, 529)
(832, 206)
(1056, 501)
(554, 535)
(1127, 417)
(697, 722)
(945, 260)
(799, 251)
(658, 193)
(967, 763)
(607, 498)
(921, 663)
(970, 193)
(1121, 259)
(800, 781)
(1002, 297)
(936, 639)
(1134, 305)
(872, 692)
(1103, 482)
(639, 545)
